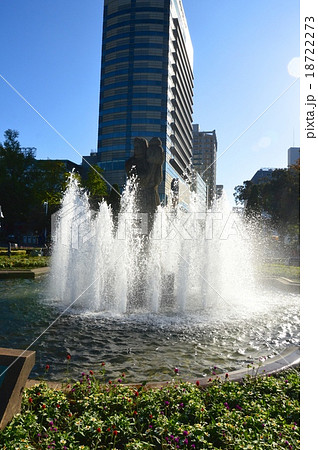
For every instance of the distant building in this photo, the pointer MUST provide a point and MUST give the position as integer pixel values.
(68, 165)
(88, 161)
(146, 88)
(293, 155)
(219, 190)
(204, 158)
(200, 187)
(262, 175)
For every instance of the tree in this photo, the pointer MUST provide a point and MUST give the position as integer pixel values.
(96, 186)
(50, 182)
(114, 198)
(279, 197)
(15, 181)
(249, 194)
(30, 190)
(114, 201)
(48, 186)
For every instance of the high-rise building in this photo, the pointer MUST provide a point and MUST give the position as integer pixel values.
(293, 155)
(204, 158)
(146, 87)
(262, 175)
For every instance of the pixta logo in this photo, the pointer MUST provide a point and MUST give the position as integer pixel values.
(72, 226)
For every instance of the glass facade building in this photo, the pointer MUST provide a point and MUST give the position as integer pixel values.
(146, 86)
(293, 155)
(204, 158)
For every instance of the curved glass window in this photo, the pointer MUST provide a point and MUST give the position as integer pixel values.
(118, 48)
(114, 97)
(141, 22)
(116, 31)
(149, 11)
(114, 73)
(113, 135)
(137, 110)
(118, 17)
(137, 70)
(116, 55)
(160, 134)
(115, 79)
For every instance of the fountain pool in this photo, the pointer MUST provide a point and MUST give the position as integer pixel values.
(146, 346)
(188, 297)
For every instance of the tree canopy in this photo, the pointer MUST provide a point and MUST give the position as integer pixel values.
(16, 169)
(30, 190)
(279, 196)
(96, 186)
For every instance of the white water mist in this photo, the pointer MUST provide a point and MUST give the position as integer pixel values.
(194, 260)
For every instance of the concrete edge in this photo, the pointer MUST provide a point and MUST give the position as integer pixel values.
(278, 282)
(283, 283)
(287, 359)
(24, 274)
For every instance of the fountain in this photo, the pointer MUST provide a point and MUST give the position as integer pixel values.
(191, 260)
(155, 258)
(147, 293)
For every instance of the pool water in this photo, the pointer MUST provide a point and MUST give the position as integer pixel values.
(147, 347)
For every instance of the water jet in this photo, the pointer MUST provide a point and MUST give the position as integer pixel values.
(187, 294)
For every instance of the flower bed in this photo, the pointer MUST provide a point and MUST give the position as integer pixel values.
(257, 413)
(19, 262)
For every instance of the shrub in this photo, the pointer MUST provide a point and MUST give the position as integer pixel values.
(23, 262)
(257, 413)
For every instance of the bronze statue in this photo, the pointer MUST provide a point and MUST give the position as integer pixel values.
(146, 166)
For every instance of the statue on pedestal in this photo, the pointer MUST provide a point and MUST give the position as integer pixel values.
(146, 166)
(146, 169)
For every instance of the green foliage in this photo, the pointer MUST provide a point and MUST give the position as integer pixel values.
(114, 200)
(279, 196)
(258, 413)
(26, 184)
(15, 178)
(50, 182)
(22, 262)
(280, 270)
(4, 252)
(96, 186)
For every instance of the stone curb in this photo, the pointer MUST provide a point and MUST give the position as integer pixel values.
(283, 283)
(288, 359)
(25, 274)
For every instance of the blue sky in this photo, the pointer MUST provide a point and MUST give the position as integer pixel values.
(51, 55)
